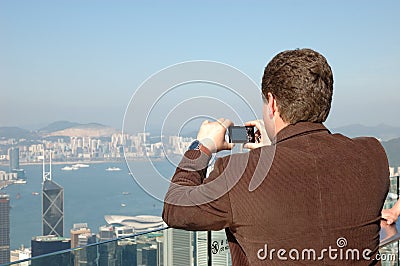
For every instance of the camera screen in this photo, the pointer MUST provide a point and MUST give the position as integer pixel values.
(241, 134)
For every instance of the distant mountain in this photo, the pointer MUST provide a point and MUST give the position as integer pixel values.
(59, 125)
(70, 129)
(382, 131)
(17, 133)
(392, 148)
(58, 129)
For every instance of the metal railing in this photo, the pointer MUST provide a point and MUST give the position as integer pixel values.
(167, 246)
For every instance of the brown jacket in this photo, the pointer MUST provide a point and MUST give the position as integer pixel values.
(310, 191)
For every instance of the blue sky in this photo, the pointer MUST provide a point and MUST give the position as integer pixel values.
(82, 60)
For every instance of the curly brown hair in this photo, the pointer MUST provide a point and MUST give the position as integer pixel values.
(301, 80)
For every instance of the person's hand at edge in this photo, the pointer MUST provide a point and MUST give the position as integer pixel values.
(260, 135)
(212, 135)
(390, 215)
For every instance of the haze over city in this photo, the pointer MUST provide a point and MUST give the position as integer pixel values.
(82, 60)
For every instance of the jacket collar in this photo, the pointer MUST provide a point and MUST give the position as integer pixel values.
(300, 128)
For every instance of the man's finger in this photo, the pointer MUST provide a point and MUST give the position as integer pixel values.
(229, 146)
(251, 123)
(251, 145)
(255, 123)
(227, 123)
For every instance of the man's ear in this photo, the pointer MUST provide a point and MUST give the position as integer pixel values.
(271, 104)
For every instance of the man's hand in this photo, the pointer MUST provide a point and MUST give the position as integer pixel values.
(261, 135)
(390, 215)
(212, 135)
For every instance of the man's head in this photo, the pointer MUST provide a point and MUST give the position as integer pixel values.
(301, 82)
(297, 86)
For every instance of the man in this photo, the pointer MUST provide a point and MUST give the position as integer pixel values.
(306, 198)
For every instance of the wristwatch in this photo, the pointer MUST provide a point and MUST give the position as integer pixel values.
(196, 145)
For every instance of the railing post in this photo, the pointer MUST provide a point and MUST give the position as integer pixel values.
(209, 254)
(398, 192)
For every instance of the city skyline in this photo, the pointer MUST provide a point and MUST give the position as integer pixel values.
(82, 60)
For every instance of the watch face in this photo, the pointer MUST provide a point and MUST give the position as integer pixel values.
(195, 144)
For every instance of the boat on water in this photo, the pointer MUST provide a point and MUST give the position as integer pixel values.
(113, 169)
(80, 165)
(69, 168)
(125, 193)
(35, 193)
(20, 181)
(123, 205)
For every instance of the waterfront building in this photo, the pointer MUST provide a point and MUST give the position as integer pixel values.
(21, 254)
(13, 155)
(139, 223)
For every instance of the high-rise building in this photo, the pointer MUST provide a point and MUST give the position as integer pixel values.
(13, 155)
(220, 255)
(52, 205)
(126, 253)
(217, 247)
(107, 251)
(86, 239)
(391, 171)
(47, 244)
(201, 248)
(195, 248)
(4, 229)
(52, 209)
(178, 247)
(21, 254)
(160, 251)
(81, 236)
(87, 255)
(76, 231)
(149, 256)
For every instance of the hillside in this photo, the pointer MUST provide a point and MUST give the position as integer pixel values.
(83, 130)
(392, 148)
(57, 126)
(17, 133)
(383, 132)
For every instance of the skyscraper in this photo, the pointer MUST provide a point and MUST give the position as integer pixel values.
(149, 256)
(107, 251)
(87, 255)
(4, 229)
(178, 247)
(81, 236)
(52, 209)
(13, 155)
(76, 231)
(47, 244)
(52, 205)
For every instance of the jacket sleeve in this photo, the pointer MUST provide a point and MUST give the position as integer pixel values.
(194, 202)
